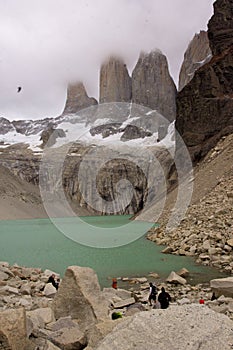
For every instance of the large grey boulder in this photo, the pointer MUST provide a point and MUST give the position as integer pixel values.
(222, 286)
(189, 327)
(69, 338)
(80, 297)
(175, 278)
(13, 334)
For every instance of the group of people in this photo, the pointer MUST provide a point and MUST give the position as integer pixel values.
(163, 297)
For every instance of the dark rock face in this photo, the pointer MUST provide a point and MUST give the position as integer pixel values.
(77, 99)
(49, 136)
(220, 26)
(5, 126)
(205, 105)
(115, 82)
(197, 54)
(134, 132)
(152, 85)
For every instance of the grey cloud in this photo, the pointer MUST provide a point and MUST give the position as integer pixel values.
(44, 44)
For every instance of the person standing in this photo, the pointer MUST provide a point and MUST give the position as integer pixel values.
(152, 293)
(164, 298)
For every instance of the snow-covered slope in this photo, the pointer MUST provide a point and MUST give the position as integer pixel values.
(94, 126)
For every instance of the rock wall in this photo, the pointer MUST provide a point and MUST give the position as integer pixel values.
(197, 54)
(152, 85)
(220, 26)
(77, 99)
(115, 82)
(204, 106)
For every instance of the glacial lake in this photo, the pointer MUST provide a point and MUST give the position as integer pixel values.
(38, 243)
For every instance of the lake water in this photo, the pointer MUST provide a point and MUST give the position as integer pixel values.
(38, 243)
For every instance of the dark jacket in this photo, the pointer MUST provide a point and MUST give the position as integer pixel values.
(164, 299)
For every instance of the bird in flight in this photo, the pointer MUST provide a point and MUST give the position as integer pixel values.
(19, 89)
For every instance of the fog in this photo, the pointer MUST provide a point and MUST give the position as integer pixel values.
(46, 44)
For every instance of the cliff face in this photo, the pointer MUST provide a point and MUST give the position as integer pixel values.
(77, 99)
(115, 82)
(152, 85)
(220, 26)
(204, 106)
(197, 54)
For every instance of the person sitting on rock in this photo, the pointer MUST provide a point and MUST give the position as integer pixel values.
(152, 293)
(52, 280)
(164, 298)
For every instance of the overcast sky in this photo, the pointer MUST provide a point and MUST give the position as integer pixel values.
(46, 43)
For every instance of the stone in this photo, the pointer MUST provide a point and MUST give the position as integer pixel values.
(115, 82)
(13, 334)
(222, 286)
(63, 322)
(3, 276)
(183, 272)
(77, 99)
(96, 333)
(46, 314)
(25, 289)
(49, 290)
(80, 297)
(176, 279)
(167, 250)
(152, 85)
(123, 303)
(51, 346)
(69, 338)
(230, 242)
(190, 326)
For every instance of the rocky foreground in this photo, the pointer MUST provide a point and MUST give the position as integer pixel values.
(35, 316)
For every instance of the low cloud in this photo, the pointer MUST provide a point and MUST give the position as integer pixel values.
(44, 44)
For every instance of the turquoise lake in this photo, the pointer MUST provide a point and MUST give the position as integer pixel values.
(38, 243)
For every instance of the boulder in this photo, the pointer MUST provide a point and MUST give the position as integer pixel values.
(69, 338)
(3, 276)
(222, 286)
(183, 272)
(123, 303)
(49, 290)
(188, 327)
(176, 279)
(45, 313)
(13, 334)
(80, 297)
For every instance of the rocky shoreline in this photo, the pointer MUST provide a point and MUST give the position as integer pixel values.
(79, 315)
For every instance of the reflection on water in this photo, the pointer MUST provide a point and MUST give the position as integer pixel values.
(38, 243)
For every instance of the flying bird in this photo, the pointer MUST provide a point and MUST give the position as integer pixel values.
(19, 89)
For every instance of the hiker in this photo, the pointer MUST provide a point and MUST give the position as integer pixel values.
(213, 297)
(114, 283)
(164, 298)
(52, 280)
(152, 293)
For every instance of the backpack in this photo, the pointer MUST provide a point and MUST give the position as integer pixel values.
(153, 290)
